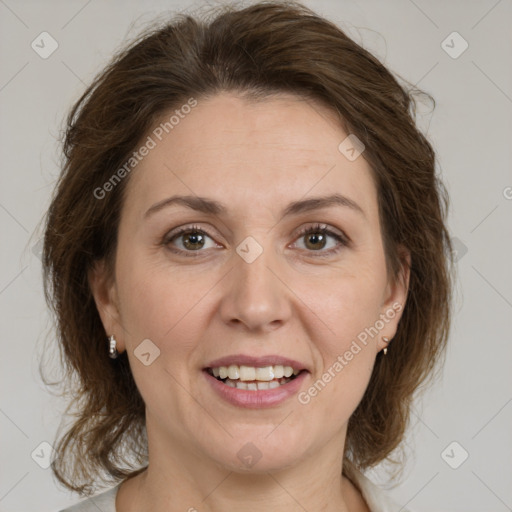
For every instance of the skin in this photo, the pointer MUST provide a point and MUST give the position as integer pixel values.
(256, 158)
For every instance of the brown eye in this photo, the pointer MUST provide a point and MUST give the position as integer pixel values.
(187, 240)
(193, 240)
(316, 238)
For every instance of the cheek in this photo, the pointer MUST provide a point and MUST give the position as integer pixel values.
(346, 347)
(168, 305)
(347, 305)
(164, 306)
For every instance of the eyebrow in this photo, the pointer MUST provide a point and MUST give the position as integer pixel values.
(212, 207)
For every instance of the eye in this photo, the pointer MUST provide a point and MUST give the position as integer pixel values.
(191, 239)
(316, 238)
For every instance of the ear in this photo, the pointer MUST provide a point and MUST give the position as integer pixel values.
(395, 297)
(104, 291)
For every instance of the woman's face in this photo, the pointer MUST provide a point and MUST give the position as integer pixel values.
(244, 280)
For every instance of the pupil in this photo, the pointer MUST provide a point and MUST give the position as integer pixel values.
(316, 238)
(195, 239)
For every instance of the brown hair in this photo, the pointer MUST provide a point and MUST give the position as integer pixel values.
(259, 50)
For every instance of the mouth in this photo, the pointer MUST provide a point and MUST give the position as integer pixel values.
(253, 378)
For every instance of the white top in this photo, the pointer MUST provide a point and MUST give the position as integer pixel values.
(374, 496)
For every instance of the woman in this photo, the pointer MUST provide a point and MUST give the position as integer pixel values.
(249, 224)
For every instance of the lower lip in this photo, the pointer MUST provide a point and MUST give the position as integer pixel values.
(259, 398)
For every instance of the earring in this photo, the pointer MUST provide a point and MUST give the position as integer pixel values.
(385, 339)
(112, 349)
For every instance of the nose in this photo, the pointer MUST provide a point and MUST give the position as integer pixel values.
(255, 296)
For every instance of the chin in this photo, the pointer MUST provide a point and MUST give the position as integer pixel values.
(259, 452)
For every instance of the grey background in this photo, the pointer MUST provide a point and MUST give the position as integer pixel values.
(471, 129)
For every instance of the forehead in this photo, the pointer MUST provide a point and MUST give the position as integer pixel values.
(250, 153)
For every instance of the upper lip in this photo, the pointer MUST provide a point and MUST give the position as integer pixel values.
(261, 361)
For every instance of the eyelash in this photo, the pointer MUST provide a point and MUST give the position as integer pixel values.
(317, 228)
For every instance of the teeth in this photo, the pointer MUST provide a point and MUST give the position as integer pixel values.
(278, 371)
(254, 386)
(249, 373)
(233, 372)
(288, 371)
(264, 374)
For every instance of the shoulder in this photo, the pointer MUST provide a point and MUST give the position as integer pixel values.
(105, 501)
(375, 497)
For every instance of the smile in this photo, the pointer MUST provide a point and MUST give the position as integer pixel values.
(254, 378)
(249, 386)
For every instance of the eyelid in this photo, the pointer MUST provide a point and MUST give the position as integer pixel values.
(183, 229)
(319, 226)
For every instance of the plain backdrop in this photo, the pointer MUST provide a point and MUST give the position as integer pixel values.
(459, 444)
